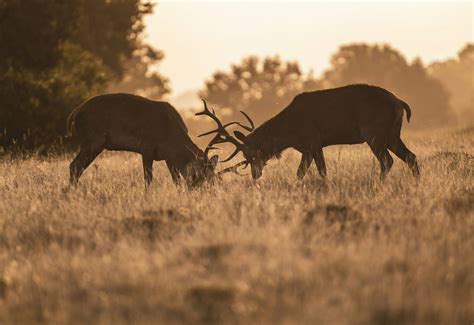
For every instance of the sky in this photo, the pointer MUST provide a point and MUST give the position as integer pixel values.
(200, 37)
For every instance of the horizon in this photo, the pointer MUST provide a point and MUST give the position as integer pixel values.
(218, 48)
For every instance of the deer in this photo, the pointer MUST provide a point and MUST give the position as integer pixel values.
(154, 129)
(351, 114)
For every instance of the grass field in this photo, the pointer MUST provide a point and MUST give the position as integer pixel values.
(348, 251)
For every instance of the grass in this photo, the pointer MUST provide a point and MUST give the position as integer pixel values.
(348, 251)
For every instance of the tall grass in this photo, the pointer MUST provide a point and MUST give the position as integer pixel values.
(348, 251)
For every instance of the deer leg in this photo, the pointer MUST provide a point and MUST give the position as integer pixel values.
(147, 161)
(383, 156)
(306, 159)
(83, 159)
(174, 172)
(318, 156)
(402, 152)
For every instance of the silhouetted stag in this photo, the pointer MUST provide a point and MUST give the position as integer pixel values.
(351, 114)
(153, 129)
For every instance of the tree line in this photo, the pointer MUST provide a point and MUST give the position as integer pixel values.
(440, 93)
(56, 54)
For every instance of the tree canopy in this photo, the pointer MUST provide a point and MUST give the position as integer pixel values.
(140, 77)
(265, 86)
(457, 75)
(111, 29)
(384, 66)
(58, 53)
(258, 86)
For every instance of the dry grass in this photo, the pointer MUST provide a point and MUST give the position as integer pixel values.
(351, 251)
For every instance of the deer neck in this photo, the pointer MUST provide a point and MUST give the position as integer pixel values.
(181, 156)
(271, 138)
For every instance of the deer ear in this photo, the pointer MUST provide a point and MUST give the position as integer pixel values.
(239, 135)
(214, 159)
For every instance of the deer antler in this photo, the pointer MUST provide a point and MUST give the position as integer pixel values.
(213, 116)
(234, 169)
(248, 128)
(222, 135)
(220, 127)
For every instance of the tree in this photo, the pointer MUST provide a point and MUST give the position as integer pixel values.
(140, 78)
(456, 75)
(31, 31)
(55, 54)
(111, 29)
(34, 107)
(261, 87)
(384, 66)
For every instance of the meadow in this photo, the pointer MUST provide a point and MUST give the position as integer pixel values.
(351, 250)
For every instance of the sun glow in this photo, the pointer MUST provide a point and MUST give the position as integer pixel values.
(199, 38)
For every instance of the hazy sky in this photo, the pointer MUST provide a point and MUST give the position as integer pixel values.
(200, 37)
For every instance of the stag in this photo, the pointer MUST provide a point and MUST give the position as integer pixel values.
(351, 114)
(154, 129)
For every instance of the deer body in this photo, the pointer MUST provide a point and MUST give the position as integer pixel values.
(313, 120)
(127, 122)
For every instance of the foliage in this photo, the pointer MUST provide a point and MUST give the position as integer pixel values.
(57, 54)
(111, 29)
(140, 77)
(31, 31)
(261, 87)
(457, 76)
(384, 66)
(35, 106)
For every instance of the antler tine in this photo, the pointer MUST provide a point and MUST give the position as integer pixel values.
(234, 169)
(220, 128)
(230, 123)
(239, 124)
(207, 133)
(209, 148)
(206, 109)
(248, 128)
(252, 126)
(207, 112)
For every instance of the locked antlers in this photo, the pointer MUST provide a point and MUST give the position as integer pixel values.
(234, 168)
(222, 135)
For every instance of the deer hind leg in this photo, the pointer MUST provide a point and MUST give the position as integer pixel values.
(383, 156)
(306, 160)
(402, 152)
(84, 158)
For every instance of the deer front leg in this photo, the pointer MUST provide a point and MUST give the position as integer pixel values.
(320, 163)
(174, 172)
(147, 160)
(306, 159)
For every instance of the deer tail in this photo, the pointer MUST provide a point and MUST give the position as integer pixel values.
(406, 107)
(70, 125)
